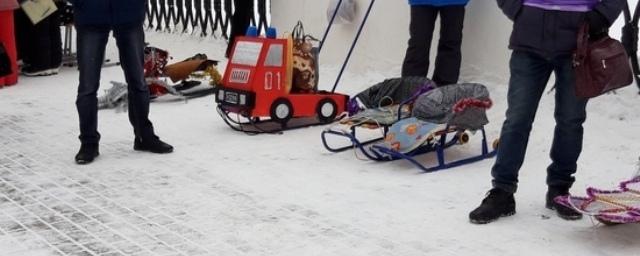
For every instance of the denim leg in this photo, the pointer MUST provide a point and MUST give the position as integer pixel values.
(416, 59)
(130, 40)
(91, 44)
(447, 65)
(569, 114)
(529, 76)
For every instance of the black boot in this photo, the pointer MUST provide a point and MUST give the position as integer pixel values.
(154, 145)
(562, 211)
(498, 203)
(87, 153)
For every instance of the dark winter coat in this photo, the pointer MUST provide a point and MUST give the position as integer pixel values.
(550, 33)
(438, 2)
(109, 12)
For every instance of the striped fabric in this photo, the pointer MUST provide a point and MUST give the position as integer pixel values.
(563, 5)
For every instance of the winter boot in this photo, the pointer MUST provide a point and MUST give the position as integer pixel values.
(88, 152)
(498, 203)
(562, 211)
(154, 145)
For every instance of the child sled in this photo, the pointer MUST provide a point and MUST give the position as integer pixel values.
(609, 206)
(270, 84)
(440, 118)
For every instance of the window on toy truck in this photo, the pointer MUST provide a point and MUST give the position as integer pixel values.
(274, 56)
(247, 53)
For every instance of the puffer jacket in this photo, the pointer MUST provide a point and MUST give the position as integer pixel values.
(438, 2)
(550, 32)
(108, 12)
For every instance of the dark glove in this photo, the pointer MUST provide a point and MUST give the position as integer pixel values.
(598, 25)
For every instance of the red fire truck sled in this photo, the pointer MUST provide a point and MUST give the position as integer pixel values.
(255, 95)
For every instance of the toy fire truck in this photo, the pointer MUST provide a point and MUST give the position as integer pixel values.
(258, 80)
(257, 85)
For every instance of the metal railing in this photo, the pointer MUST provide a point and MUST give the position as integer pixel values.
(202, 17)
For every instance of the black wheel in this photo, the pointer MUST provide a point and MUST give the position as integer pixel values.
(281, 111)
(326, 110)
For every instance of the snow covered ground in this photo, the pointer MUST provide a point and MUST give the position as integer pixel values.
(226, 193)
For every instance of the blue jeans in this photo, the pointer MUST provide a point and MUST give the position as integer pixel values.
(92, 41)
(530, 73)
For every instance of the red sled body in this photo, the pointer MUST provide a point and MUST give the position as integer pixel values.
(257, 85)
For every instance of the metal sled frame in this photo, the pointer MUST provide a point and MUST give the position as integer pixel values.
(439, 144)
(254, 126)
(439, 147)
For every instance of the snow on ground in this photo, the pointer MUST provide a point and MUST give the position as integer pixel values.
(227, 193)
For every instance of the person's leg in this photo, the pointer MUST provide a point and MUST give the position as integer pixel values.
(23, 30)
(130, 40)
(569, 114)
(7, 38)
(56, 41)
(41, 38)
(240, 21)
(416, 59)
(447, 65)
(91, 44)
(529, 76)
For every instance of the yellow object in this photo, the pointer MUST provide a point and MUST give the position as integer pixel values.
(215, 75)
(37, 10)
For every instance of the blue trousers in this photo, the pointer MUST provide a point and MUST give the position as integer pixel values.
(92, 41)
(530, 73)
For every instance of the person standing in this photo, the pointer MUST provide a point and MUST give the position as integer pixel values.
(7, 39)
(422, 25)
(93, 21)
(240, 21)
(39, 45)
(543, 41)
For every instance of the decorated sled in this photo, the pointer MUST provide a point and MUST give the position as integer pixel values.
(186, 79)
(261, 90)
(609, 206)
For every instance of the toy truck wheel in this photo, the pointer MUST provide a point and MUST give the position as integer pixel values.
(281, 111)
(326, 110)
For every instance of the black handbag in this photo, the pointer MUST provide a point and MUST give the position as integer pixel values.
(5, 62)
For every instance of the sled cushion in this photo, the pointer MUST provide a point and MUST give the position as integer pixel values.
(408, 134)
(382, 116)
(393, 91)
(437, 105)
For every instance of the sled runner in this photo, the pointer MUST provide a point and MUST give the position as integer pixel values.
(609, 206)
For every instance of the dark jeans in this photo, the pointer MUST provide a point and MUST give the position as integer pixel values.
(416, 60)
(530, 73)
(92, 41)
(40, 45)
